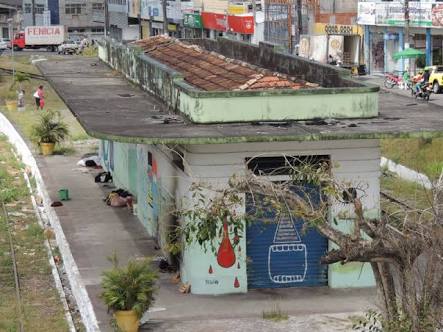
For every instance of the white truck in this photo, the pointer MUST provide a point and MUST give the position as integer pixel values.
(49, 37)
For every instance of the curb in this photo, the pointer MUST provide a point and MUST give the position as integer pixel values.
(78, 289)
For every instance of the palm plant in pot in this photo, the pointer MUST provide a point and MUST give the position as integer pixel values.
(129, 291)
(12, 94)
(49, 130)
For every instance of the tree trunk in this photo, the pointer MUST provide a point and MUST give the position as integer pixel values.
(386, 289)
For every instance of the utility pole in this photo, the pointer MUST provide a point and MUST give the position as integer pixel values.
(407, 23)
(33, 12)
(165, 17)
(289, 6)
(299, 20)
(106, 18)
(140, 27)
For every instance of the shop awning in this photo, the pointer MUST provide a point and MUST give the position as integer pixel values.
(409, 53)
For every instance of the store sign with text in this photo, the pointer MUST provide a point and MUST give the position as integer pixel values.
(214, 21)
(241, 24)
(231, 23)
(192, 21)
(174, 10)
(337, 29)
(421, 14)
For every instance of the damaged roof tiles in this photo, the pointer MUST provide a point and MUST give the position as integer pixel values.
(211, 71)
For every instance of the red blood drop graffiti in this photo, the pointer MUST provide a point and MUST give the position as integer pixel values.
(226, 254)
(210, 269)
(236, 283)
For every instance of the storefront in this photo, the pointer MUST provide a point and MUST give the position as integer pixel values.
(383, 25)
(337, 42)
(192, 26)
(239, 27)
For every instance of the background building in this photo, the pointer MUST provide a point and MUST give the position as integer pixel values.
(10, 9)
(83, 18)
(117, 12)
(384, 24)
(334, 34)
(39, 15)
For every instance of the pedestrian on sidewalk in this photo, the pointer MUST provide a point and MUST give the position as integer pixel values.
(406, 79)
(39, 98)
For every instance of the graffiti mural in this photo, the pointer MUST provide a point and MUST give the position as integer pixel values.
(226, 257)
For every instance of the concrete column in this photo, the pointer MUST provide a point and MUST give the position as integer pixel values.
(367, 40)
(401, 47)
(428, 47)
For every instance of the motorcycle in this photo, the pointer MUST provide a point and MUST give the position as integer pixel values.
(424, 91)
(392, 80)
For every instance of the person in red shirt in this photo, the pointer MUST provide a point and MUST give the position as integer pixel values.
(39, 98)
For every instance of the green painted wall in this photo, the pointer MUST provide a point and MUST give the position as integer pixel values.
(351, 275)
(121, 169)
(279, 107)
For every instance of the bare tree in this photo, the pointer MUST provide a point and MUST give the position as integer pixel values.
(405, 249)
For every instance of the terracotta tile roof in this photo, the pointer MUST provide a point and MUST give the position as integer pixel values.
(211, 71)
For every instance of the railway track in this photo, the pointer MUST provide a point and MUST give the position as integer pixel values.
(394, 200)
(8, 72)
(9, 270)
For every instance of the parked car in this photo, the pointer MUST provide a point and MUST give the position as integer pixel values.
(68, 47)
(436, 78)
(4, 43)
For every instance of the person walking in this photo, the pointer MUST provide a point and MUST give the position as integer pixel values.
(39, 98)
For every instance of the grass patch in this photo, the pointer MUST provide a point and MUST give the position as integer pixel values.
(422, 155)
(25, 120)
(417, 198)
(90, 51)
(275, 314)
(408, 192)
(43, 310)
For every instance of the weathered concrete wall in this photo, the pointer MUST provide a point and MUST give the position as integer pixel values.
(148, 173)
(344, 99)
(265, 107)
(151, 75)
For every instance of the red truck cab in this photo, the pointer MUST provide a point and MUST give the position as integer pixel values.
(19, 41)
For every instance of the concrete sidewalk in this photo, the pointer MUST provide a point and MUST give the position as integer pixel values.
(94, 231)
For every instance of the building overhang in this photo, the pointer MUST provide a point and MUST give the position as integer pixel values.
(110, 107)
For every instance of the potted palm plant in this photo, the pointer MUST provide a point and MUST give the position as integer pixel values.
(12, 94)
(11, 100)
(49, 131)
(129, 291)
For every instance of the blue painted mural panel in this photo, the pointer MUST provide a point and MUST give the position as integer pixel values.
(280, 253)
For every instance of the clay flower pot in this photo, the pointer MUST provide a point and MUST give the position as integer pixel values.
(11, 105)
(47, 149)
(127, 320)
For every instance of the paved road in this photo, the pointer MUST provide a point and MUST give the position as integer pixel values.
(317, 323)
(436, 99)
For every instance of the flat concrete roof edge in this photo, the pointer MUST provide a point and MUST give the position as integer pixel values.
(262, 138)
